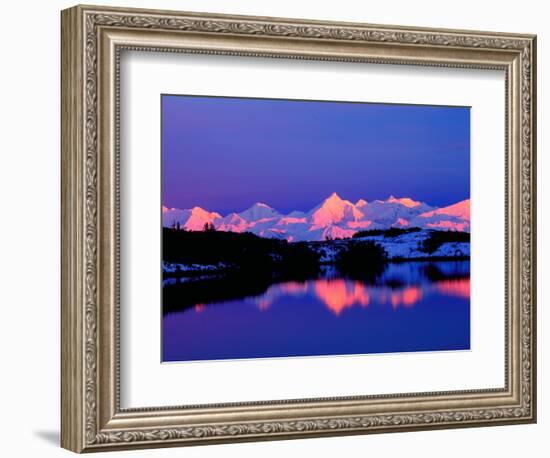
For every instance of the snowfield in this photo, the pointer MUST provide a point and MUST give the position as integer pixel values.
(405, 246)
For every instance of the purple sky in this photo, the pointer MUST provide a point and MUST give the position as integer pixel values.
(224, 154)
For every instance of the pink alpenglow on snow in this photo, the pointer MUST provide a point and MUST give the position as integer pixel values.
(334, 210)
(406, 201)
(193, 219)
(455, 217)
(333, 218)
(259, 211)
(460, 209)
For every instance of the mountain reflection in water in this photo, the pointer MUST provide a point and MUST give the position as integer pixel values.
(340, 294)
(410, 306)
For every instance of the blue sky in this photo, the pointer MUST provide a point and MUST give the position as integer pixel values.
(224, 154)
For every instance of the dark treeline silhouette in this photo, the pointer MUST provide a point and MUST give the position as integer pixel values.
(209, 227)
(438, 238)
(221, 288)
(391, 232)
(239, 251)
(434, 273)
(362, 260)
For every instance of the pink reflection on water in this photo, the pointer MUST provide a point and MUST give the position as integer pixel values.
(264, 303)
(338, 295)
(199, 308)
(291, 288)
(294, 287)
(459, 287)
(406, 297)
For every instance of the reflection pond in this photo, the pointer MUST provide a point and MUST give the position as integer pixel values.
(409, 306)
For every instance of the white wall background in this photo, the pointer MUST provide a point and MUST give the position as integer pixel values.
(29, 231)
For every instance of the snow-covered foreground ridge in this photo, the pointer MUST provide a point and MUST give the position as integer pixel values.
(410, 245)
(334, 218)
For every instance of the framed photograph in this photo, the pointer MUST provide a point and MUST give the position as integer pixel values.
(278, 228)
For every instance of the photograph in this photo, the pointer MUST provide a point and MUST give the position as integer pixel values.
(303, 228)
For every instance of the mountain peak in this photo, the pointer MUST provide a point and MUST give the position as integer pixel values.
(406, 201)
(192, 219)
(361, 203)
(460, 209)
(334, 196)
(261, 205)
(333, 201)
(198, 211)
(332, 210)
(259, 211)
(453, 217)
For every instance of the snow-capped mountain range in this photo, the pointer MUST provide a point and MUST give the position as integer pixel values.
(332, 219)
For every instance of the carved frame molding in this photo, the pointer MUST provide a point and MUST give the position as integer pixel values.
(92, 39)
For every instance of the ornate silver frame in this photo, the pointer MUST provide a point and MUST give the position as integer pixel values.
(92, 38)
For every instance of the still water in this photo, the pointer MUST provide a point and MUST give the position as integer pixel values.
(410, 306)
